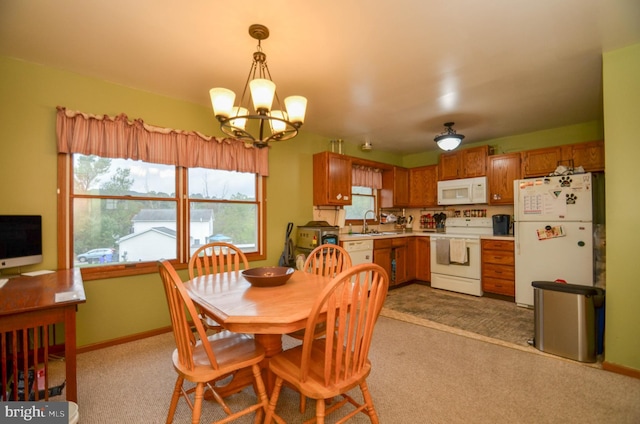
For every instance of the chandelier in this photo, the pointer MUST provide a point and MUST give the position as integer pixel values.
(271, 124)
(449, 140)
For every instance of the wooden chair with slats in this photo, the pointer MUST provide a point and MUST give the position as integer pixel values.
(327, 260)
(331, 366)
(215, 258)
(204, 358)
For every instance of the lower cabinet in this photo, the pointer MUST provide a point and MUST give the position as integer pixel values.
(382, 255)
(392, 255)
(498, 271)
(423, 258)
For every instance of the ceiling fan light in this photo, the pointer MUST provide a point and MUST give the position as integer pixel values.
(262, 92)
(222, 101)
(296, 108)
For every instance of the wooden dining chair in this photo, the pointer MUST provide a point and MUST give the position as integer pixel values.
(327, 260)
(206, 358)
(331, 366)
(215, 258)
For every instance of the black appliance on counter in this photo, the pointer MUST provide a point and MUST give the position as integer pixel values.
(501, 224)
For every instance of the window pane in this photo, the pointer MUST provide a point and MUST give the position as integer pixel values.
(135, 230)
(217, 184)
(362, 200)
(235, 223)
(122, 177)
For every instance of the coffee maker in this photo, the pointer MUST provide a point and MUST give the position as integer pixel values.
(501, 224)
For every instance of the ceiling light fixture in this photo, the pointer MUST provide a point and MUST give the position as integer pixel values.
(283, 125)
(449, 140)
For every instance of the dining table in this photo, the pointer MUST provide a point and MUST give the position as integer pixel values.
(266, 312)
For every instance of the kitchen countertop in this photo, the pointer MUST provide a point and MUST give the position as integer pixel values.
(418, 233)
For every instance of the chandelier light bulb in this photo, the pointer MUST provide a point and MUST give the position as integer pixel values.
(262, 92)
(222, 101)
(296, 108)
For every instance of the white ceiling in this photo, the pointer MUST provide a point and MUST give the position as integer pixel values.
(388, 72)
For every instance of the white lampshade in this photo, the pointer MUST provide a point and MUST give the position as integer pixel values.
(296, 108)
(239, 122)
(449, 143)
(222, 101)
(262, 92)
(277, 126)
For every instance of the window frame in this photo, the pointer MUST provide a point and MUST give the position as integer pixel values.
(65, 226)
(358, 221)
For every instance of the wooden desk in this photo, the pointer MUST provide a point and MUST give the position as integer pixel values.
(27, 309)
(266, 312)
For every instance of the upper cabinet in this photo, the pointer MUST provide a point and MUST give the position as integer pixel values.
(424, 186)
(589, 155)
(501, 171)
(465, 163)
(541, 162)
(331, 179)
(395, 188)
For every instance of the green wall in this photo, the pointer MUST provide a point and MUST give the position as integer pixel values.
(621, 76)
(122, 307)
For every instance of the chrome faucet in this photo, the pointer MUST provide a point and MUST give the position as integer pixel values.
(365, 227)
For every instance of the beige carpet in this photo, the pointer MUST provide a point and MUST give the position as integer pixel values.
(420, 375)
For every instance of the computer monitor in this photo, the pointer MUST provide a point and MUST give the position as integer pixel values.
(20, 240)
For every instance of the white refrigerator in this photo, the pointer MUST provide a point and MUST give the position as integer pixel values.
(553, 232)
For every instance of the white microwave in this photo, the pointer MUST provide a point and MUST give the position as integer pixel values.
(465, 191)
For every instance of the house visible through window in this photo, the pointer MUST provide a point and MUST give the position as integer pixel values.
(126, 211)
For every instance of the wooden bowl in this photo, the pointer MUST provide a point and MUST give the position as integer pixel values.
(268, 276)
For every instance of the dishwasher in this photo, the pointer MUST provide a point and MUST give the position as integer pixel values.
(361, 251)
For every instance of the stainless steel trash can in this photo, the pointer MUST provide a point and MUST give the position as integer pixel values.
(566, 319)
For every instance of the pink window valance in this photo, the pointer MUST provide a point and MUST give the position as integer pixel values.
(117, 137)
(366, 176)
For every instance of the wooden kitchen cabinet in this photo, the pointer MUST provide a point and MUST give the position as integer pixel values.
(395, 188)
(498, 267)
(501, 171)
(411, 258)
(542, 162)
(465, 163)
(423, 182)
(399, 256)
(382, 255)
(423, 258)
(331, 179)
(392, 255)
(588, 155)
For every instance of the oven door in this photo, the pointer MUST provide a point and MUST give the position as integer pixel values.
(469, 269)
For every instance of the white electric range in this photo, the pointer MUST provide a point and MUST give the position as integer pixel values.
(455, 255)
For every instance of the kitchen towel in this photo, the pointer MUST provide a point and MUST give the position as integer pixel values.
(442, 251)
(458, 251)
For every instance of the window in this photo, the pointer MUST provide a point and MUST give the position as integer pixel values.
(129, 214)
(363, 199)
